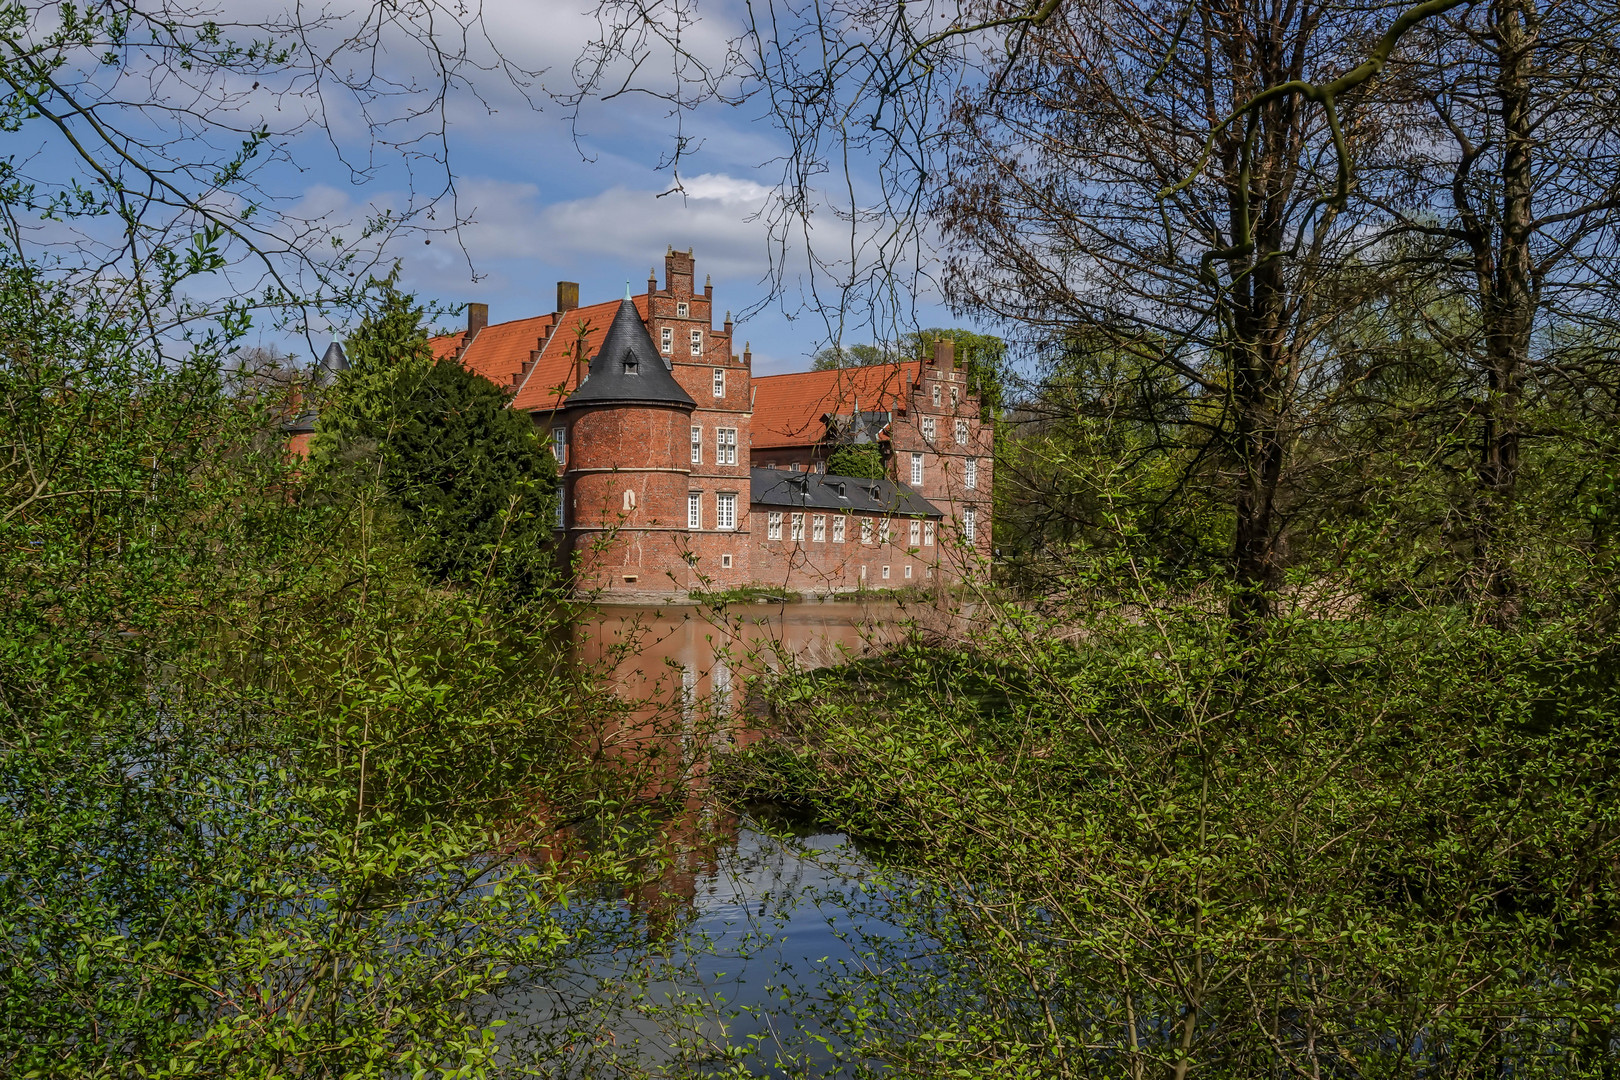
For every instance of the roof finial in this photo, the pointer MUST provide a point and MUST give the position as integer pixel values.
(627, 290)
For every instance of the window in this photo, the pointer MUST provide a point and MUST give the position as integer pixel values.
(773, 525)
(928, 428)
(697, 445)
(725, 562)
(725, 510)
(885, 573)
(562, 507)
(694, 510)
(936, 395)
(682, 310)
(916, 469)
(908, 570)
(818, 528)
(666, 338)
(970, 524)
(956, 395)
(916, 533)
(559, 445)
(866, 530)
(928, 534)
(697, 343)
(838, 529)
(970, 473)
(797, 525)
(725, 446)
(719, 380)
(863, 571)
(883, 532)
(961, 433)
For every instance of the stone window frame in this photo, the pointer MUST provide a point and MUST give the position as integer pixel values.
(694, 510)
(885, 573)
(908, 571)
(916, 533)
(697, 444)
(773, 525)
(818, 529)
(725, 446)
(838, 528)
(683, 310)
(916, 469)
(970, 474)
(719, 382)
(697, 342)
(928, 534)
(866, 530)
(666, 339)
(725, 511)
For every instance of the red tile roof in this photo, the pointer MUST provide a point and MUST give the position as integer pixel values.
(499, 351)
(788, 408)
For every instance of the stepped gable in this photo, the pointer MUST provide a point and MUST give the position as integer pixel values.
(627, 369)
(788, 409)
(827, 491)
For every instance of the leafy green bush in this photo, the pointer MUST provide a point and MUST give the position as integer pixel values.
(863, 461)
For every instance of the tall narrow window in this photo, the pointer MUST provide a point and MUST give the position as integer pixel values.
(559, 445)
(719, 382)
(883, 532)
(797, 523)
(725, 446)
(936, 395)
(697, 445)
(961, 433)
(818, 528)
(928, 534)
(725, 510)
(970, 473)
(694, 510)
(928, 428)
(916, 469)
(773, 525)
(916, 533)
(866, 530)
(697, 343)
(838, 529)
(666, 339)
(956, 395)
(562, 506)
(970, 524)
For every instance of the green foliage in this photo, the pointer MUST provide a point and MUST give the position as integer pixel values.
(862, 460)
(472, 485)
(834, 356)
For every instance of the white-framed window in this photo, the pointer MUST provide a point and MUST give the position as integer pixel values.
(725, 510)
(970, 523)
(928, 534)
(916, 533)
(970, 473)
(719, 381)
(682, 310)
(885, 573)
(559, 445)
(797, 528)
(725, 562)
(697, 343)
(956, 395)
(916, 469)
(694, 510)
(908, 570)
(928, 428)
(562, 506)
(773, 525)
(818, 529)
(838, 529)
(725, 446)
(883, 532)
(936, 395)
(697, 445)
(863, 571)
(866, 530)
(961, 433)
(666, 339)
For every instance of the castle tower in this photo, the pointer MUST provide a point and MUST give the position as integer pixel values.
(625, 490)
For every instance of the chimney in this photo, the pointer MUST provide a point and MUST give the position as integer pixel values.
(567, 296)
(944, 354)
(678, 271)
(582, 366)
(477, 318)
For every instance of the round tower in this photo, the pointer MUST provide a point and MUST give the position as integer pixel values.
(626, 485)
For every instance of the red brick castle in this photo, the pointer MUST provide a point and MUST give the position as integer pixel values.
(683, 473)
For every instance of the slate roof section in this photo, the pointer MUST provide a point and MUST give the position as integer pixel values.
(788, 409)
(628, 370)
(821, 491)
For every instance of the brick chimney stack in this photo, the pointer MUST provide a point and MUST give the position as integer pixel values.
(944, 354)
(678, 272)
(567, 296)
(477, 318)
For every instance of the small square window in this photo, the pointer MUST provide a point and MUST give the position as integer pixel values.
(682, 310)
(908, 570)
(666, 339)
(725, 562)
(719, 379)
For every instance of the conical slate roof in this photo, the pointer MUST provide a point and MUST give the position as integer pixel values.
(628, 370)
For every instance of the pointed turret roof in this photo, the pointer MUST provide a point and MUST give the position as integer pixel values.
(628, 370)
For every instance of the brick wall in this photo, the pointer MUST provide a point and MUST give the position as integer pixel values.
(944, 460)
(811, 566)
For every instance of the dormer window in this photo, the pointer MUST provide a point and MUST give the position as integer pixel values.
(632, 366)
